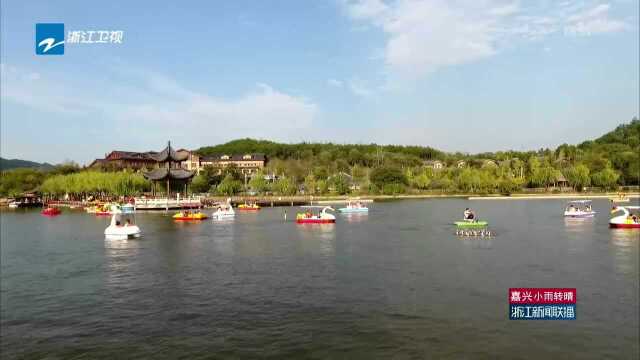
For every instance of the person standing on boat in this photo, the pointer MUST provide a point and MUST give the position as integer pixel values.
(468, 214)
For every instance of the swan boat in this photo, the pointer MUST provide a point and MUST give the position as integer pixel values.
(630, 218)
(321, 218)
(224, 211)
(122, 225)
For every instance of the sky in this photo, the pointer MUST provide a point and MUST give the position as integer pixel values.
(457, 75)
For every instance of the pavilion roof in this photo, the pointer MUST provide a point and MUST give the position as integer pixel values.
(168, 154)
(172, 174)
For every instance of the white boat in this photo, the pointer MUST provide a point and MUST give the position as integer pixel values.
(122, 225)
(630, 218)
(579, 209)
(224, 211)
(14, 204)
(354, 207)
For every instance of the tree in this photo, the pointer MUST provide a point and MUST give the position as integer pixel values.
(229, 186)
(422, 181)
(578, 176)
(310, 185)
(258, 183)
(382, 176)
(322, 187)
(284, 186)
(340, 184)
(606, 178)
(15, 182)
(200, 184)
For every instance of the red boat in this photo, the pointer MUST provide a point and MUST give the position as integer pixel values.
(51, 211)
(322, 218)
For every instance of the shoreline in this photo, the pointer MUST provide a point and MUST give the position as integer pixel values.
(329, 199)
(372, 198)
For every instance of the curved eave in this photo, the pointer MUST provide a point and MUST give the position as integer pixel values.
(168, 154)
(173, 174)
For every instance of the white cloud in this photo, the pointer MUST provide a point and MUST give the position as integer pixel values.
(335, 82)
(360, 88)
(593, 21)
(157, 105)
(32, 90)
(425, 35)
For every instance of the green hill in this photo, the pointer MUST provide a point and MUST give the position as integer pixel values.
(8, 164)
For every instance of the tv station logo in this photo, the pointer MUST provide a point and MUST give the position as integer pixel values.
(542, 303)
(50, 38)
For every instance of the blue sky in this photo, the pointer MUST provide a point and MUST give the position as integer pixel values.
(459, 75)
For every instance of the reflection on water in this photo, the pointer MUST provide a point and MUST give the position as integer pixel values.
(318, 236)
(223, 235)
(478, 242)
(578, 225)
(625, 243)
(355, 217)
(257, 282)
(579, 233)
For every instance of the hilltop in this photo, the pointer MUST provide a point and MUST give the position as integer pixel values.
(9, 164)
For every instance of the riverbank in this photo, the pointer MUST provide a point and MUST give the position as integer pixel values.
(319, 200)
(299, 200)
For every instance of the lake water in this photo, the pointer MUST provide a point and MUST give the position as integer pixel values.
(396, 283)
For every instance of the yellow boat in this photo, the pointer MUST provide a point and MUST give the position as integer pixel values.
(248, 207)
(188, 215)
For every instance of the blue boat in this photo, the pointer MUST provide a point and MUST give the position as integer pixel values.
(354, 207)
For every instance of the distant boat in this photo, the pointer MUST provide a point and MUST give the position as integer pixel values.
(249, 207)
(579, 209)
(188, 215)
(224, 211)
(51, 211)
(471, 224)
(322, 218)
(354, 207)
(620, 199)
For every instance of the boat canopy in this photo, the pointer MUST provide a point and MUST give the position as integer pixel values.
(580, 202)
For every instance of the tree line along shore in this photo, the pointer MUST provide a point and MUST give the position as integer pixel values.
(608, 163)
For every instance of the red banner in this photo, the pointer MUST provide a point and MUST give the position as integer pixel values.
(542, 296)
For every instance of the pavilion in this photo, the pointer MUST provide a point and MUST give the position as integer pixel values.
(169, 170)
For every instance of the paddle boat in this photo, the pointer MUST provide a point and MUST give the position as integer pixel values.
(630, 218)
(621, 198)
(189, 215)
(469, 220)
(224, 211)
(321, 218)
(249, 207)
(51, 211)
(122, 226)
(99, 209)
(471, 223)
(354, 207)
(579, 209)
